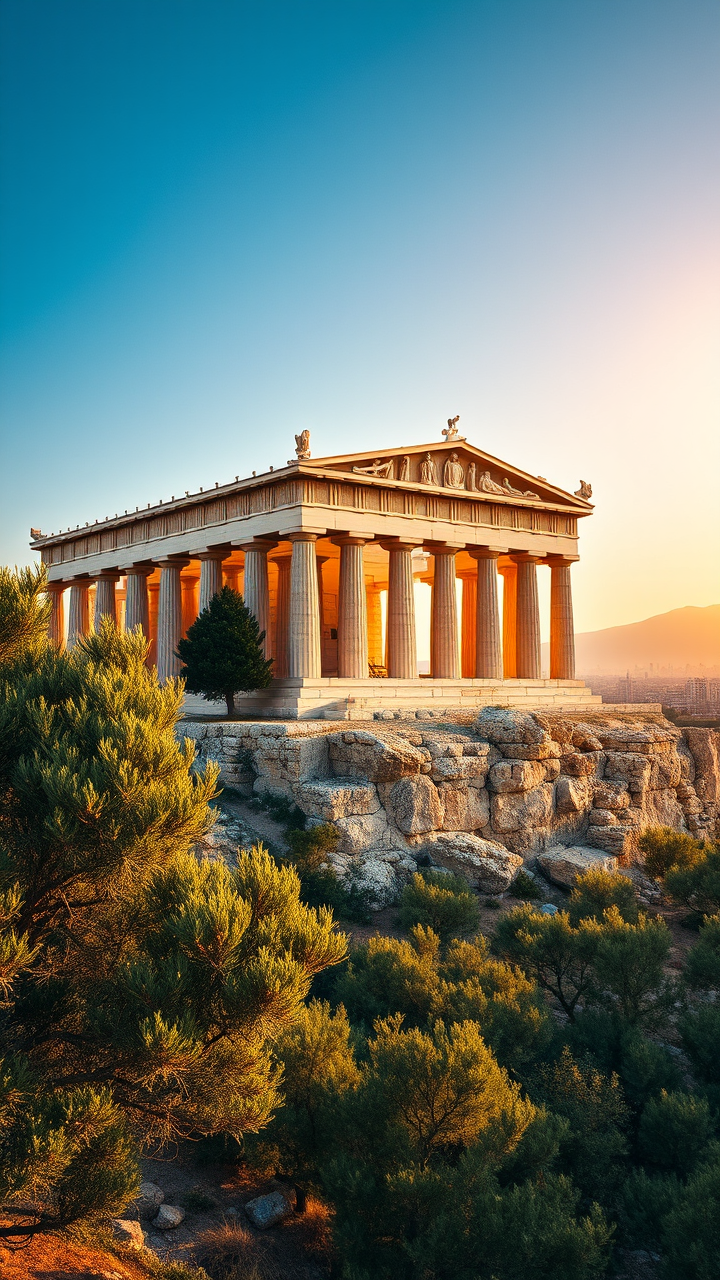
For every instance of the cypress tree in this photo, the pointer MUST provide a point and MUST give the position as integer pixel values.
(222, 651)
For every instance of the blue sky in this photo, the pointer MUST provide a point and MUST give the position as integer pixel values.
(224, 222)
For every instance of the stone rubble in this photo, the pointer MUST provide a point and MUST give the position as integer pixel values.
(477, 796)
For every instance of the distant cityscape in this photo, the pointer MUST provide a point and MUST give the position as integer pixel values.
(696, 696)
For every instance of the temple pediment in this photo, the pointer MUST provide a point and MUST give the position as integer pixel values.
(455, 465)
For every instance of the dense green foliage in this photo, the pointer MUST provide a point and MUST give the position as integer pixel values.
(496, 1111)
(222, 651)
(441, 902)
(141, 986)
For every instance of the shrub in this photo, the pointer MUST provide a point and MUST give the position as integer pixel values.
(664, 848)
(691, 1233)
(595, 891)
(444, 903)
(697, 884)
(675, 1129)
(523, 886)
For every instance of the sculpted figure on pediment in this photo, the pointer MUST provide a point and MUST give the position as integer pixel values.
(518, 493)
(404, 469)
(470, 482)
(428, 472)
(487, 485)
(453, 473)
(384, 470)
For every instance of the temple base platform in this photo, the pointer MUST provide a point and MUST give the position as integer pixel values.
(337, 699)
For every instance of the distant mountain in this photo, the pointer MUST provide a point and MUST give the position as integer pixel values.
(681, 639)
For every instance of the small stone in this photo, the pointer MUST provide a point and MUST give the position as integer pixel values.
(150, 1198)
(266, 1211)
(128, 1232)
(548, 909)
(168, 1217)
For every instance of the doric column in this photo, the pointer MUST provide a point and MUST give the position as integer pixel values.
(562, 630)
(400, 641)
(445, 655)
(189, 588)
(137, 613)
(257, 594)
(374, 625)
(232, 576)
(304, 629)
(105, 597)
(352, 611)
(488, 654)
(211, 575)
(528, 618)
(282, 617)
(509, 621)
(153, 590)
(468, 621)
(169, 618)
(56, 625)
(79, 619)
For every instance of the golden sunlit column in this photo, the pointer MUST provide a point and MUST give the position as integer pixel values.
(468, 621)
(509, 620)
(257, 592)
(488, 652)
(374, 624)
(562, 630)
(56, 625)
(352, 611)
(169, 618)
(282, 617)
(211, 575)
(233, 577)
(105, 606)
(528, 618)
(304, 659)
(189, 587)
(400, 641)
(444, 621)
(79, 614)
(137, 613)
(153, 590)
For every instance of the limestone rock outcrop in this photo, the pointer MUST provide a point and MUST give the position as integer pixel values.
(476, 796)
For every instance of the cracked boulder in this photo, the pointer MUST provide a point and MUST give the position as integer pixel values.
(359, 754)
(414, 805)
(487, 867)
(563, 866)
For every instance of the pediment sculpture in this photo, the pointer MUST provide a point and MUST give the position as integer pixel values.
(302, 444)
(585, 490)
(384, 470)
(453, 473)
(518, 493)
(405, 468)
(470, 481)
(428, 470)
(451, 430)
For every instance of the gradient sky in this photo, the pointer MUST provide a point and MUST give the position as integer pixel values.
(224, 222)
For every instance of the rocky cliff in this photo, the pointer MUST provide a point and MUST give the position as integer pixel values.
(480, 796)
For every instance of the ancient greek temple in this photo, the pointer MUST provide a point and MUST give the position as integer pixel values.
(313, 545)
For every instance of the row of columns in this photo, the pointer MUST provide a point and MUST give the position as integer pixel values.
(488, 652)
